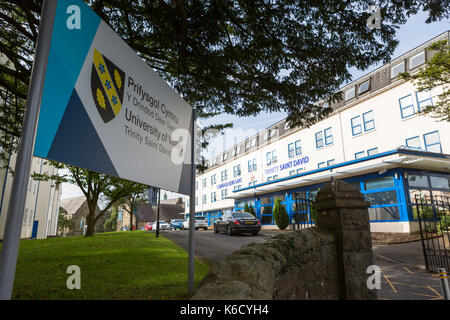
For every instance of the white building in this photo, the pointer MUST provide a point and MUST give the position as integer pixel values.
(375, 139)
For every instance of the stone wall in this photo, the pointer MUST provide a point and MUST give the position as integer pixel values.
(324, 262)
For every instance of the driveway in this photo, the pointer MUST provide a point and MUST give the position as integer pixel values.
(403, 274)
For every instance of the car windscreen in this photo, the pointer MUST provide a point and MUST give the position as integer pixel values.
(177, 220)
(238, 215)
(199, 218)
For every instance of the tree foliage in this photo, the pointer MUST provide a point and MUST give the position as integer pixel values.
(64, 224)
(227, 56)
(280, 215)
(110, 223)
(436, 74)
(130, 202)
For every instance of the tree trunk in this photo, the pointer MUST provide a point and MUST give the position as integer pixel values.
(90, 221)
(131, 221)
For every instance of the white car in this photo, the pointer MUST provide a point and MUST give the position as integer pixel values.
(162, 225)
(200, 223)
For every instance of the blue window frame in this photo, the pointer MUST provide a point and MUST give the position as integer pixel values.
(424, 99)
(406, 106)
(252, 165)
(359, 155)
(372, 151)
(321, 165)
(328, 136)
(356, 125)
(271, 157)
(414, 143)
(237, 170)
(319, 139)
(224, 175)
(369, 122)
(291, 173)
(298, 147)
(224, 193)
(432, 142)
(213, 179)
(204, 183)
(291, 150)
(204, 199)
(330, 162)
(213, 197)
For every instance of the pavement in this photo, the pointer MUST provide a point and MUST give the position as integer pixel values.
(403, 273)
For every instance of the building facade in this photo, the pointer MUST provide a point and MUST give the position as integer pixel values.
(375, 139)
(40, 218)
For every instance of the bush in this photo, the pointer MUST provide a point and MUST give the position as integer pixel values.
(251, 210)
(280, 215)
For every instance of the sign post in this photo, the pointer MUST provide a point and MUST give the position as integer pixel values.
(13, 227)
(191, 252)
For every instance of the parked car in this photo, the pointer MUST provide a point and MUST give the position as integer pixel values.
(162, 225)
(176, 224)
(149, 226)
(200, 223)
(237, 222)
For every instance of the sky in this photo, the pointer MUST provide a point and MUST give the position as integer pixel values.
(410, 35)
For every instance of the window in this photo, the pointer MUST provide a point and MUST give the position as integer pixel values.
(399, 68)
(299, 171)
(298, 147)
(372, 151)
(321, 165)
(417, 60)
(237, 170)
(224, 175)
(247, 145)
(359, 155)
(363, 87)
(369, 122)
(356, 125)
(319, 139)
(253, 183)
(295, 149)
(379, 183)
(440, 182)
(328, 136)
(266, 135)
(291, 173)
(252, 165)
(330, 162)
(204, 199)
(423, 99)
(291, 150)
(225, 156)
(350, 93)
(204, 183)
(253, 143)
(224, 193)
(213, 179)
(432, 142)
(406, 106)
(413, 143)
(213, 197)
(236, 151)
(271, 157)
(196, 201)
(287, 126)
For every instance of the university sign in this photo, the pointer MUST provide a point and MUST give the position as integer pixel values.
(288, 165)
(104, 109)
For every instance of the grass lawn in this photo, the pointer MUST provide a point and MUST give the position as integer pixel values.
(118, 265)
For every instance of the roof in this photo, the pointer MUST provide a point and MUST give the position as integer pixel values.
(71, 205)
(147, 213)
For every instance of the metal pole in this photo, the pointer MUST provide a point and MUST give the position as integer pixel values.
(13, 226)
(191, 251)
(444, 283)
(157, 216)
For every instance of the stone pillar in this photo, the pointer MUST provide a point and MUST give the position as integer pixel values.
(342, 210)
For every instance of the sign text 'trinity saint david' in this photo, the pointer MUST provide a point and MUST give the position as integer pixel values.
(104, 109)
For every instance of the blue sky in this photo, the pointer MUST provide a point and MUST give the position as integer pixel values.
(410, 35)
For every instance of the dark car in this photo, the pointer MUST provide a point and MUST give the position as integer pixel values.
(237, 222)
(176, 224)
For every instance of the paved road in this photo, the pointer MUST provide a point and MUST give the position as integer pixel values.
(403, 274)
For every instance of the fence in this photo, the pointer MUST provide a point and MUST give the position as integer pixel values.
(303, 212)
(433, 214)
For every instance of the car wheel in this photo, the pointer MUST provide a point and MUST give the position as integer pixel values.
(229, 232)
(254, 233)
(215, 229)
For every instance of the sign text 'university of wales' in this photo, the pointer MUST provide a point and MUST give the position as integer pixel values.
(104, 109)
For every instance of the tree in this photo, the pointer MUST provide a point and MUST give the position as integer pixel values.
(280, 215)
(110, 223)
(131, 201)
(227, 56)
(436, 73)
(63, 222)
(251, 210)
(95, 187)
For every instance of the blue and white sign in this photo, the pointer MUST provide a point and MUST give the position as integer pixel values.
(104, 109)
(229, 183)
(288, 165)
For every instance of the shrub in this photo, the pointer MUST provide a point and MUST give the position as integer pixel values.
(280, 215)
(251, 210)
(246, 208)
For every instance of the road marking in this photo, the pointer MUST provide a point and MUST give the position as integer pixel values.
(408, 270)
(437, 293)
(390, 283)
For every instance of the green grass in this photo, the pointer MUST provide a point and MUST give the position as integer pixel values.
(119, 265)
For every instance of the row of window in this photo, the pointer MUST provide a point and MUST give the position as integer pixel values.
(432, 142)
(407, 107)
